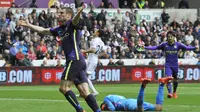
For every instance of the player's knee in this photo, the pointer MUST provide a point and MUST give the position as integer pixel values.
(83, 90)
(84, 93)
(63, 90)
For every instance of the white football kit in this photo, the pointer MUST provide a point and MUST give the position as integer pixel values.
(92, 59)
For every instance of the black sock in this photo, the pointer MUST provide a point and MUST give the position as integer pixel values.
(175, 85)
(71, 97)
(91, 101)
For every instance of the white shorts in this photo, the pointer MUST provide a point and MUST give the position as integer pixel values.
(91, 67)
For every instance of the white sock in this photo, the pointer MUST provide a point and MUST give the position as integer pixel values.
(91, 86)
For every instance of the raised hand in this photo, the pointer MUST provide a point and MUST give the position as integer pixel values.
(80, 9)
(22, 23)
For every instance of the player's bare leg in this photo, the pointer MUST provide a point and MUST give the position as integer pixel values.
(91, 86)
(89, 98)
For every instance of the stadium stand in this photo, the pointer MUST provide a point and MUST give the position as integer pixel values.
(123, 35)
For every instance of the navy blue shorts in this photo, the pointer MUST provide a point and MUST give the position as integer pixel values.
(171, 71)
(75, 70)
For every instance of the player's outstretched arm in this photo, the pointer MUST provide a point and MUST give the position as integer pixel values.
(161, 46)
(110, 105)
(76, 19)
(151, 47)
(183, 46)
(89, 51)
(41, 30)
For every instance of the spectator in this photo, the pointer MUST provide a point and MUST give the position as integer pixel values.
(33, 4)
(101, 17)
(1, 57)
(106, 3)
(53, 53)
(189, 37)
(99, 63)
(183, 4)
(93, 13)
(3, 22)
(13, 52)
(146, 5)
(165, 17)
(59, 64)
(43, 20)
(9, 13)
(44, 64)
(101, 5)
(42, 47)
(40, 54)
(198, 63)
(31, 55)
(62, 55)
(23, 47)
(140, 4)
(119, 62)
(160, 4)
(152, 62)
(118, 16)
(55, 5)
(137, 17)
(8, 43)
(111, 63)
(13, 5)
(20, 58)
(125, 5)
(174, 24)
(110, 5)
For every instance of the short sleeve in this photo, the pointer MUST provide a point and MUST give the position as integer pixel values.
(54, 31)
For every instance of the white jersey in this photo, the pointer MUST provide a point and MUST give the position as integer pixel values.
(97, 44)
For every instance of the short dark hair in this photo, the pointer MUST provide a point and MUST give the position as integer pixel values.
(103, 106)
(69, 10)
(171, 33)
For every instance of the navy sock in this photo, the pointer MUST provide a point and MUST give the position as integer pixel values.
(175, 85)
(71, 97)
(91, 101)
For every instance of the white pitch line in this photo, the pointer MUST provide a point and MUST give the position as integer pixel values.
(134, 92)
(50, 100)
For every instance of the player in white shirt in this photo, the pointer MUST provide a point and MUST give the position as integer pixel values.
(96, 46)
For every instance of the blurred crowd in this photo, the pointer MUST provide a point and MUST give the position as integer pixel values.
(123, 35)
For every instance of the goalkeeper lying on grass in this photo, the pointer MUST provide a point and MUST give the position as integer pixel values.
(120, 103)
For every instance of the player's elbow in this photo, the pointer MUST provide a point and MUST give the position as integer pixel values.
(44, 32)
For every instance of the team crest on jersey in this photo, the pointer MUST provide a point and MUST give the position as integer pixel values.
(64, 36)
(167, 46)
(175, 46)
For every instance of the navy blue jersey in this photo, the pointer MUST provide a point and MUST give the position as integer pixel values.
(70, 38)
(171, 52)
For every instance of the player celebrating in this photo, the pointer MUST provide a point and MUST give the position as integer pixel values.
(171, 49)
(74, 71)
(120, 103)
(96, 46)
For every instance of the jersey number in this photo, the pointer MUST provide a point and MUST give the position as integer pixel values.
(99, 48)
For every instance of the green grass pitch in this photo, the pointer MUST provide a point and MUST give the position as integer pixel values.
(48, 98)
